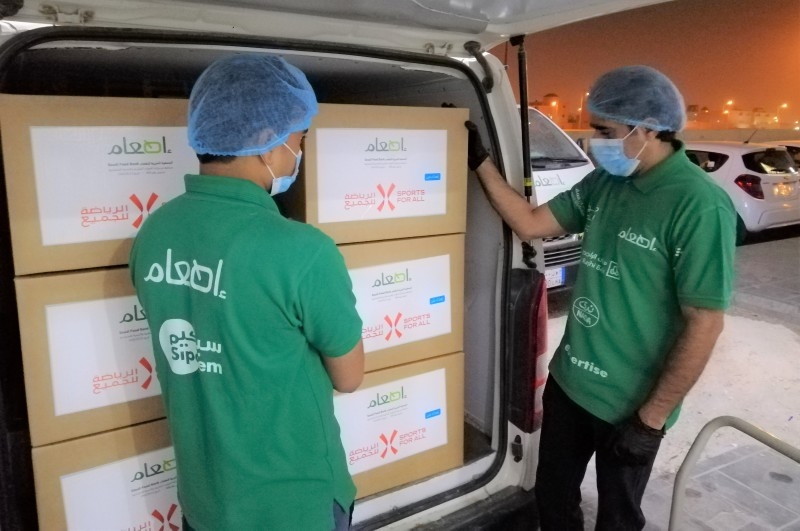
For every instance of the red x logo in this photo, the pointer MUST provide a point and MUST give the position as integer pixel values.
(158, 516)
(386, 197)
(393, 326)
(389, 443)
(142, 208)
(146, 364)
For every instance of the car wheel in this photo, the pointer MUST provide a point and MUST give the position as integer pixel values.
(742, 234)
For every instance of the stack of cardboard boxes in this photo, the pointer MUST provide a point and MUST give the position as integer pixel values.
(388, 184)
(82, 174)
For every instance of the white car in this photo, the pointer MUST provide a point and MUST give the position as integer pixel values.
(761, 180)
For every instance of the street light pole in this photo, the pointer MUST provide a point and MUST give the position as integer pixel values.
(580, 112)
(726, 110)
(777, 113)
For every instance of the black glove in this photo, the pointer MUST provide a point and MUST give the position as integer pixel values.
(476, 151)
(634, 442)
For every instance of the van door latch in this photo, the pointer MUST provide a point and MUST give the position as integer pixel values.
(516, 449)
(66, 15)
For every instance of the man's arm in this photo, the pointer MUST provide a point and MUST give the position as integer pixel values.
(527, 222)
(685, 363)
(346, 372)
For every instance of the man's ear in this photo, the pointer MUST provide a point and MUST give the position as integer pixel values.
(266, 157)
(650, 134)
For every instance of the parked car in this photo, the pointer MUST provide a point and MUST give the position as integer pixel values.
(761, 180)
(557, 164)
(792, 146)
(384, 52)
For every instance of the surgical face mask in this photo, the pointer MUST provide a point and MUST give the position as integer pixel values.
(610, 155)
(281, 184)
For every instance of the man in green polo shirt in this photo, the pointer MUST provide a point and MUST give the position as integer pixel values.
(655, 277)
(252, 315)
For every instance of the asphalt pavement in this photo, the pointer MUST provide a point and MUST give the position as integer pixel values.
(754, 374)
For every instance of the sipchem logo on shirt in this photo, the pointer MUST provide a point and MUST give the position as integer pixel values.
(183, 350)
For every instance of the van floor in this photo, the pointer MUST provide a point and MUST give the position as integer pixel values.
(476, 443)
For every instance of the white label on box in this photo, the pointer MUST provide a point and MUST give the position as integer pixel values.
(403, 302)
(392, 421)
(132, 494)
(100, 183)
(381, 173)
(100, 354)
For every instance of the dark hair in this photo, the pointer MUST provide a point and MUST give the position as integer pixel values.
(206, 158)
(666, 136)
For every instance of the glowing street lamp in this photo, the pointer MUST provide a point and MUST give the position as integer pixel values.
(778, 110)
(726, 107)
(580, 111)
(726, 110)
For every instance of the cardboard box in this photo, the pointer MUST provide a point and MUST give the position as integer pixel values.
(122, 479)
(82, 173)
(87, 354)
(410, 296)
(380, 172)
(404, 424)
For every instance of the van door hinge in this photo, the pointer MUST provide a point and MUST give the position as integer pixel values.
(66, 15)
(516, 449)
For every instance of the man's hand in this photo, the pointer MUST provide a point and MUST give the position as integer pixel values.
(476, 151)
(635, 443)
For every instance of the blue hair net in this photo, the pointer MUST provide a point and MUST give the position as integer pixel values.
(248, 104)
(638, 95)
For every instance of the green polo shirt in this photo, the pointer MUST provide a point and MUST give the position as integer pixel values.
(242, 306)
(652, 244)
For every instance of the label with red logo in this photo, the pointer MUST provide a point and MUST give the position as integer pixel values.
(381, 173)
(392, 421)
(131, 494)
(402, 302)
(100, 354)
(100, 183)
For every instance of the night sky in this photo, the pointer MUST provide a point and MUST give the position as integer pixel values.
(747, 51)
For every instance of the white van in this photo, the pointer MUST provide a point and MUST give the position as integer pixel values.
(383, 52)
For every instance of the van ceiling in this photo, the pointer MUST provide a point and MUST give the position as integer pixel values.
(468, 16)
(170, 72)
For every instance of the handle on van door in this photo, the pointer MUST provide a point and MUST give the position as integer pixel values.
(474, 49)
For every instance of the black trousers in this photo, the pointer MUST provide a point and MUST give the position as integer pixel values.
(570, 435)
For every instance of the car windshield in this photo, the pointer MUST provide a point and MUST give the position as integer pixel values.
(548, 144)
(769, 161)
